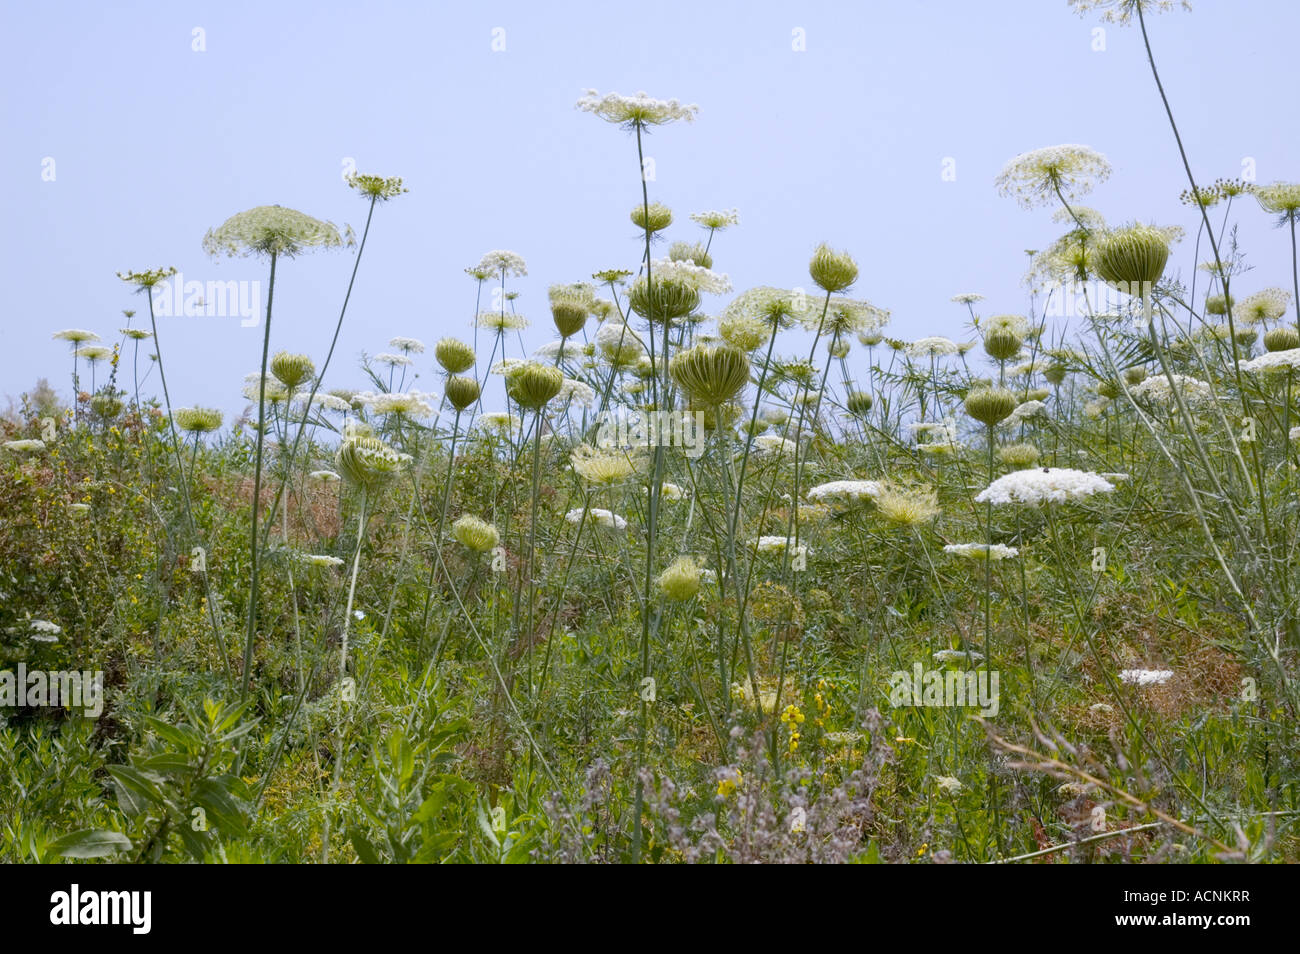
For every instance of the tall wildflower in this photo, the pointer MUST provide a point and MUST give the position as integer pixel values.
(271, 232)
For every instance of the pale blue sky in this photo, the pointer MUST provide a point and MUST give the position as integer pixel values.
(154, 143)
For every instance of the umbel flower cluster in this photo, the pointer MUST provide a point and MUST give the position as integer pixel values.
(1041, 485)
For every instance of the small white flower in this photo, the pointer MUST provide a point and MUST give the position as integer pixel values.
(321, 559)
(30, 445)
(324, 476)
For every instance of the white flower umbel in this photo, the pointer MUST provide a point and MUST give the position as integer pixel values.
(605, 519)
(957, 655)
(1044, 485)
(637, 110)
(1146, 677)
(1025, 411)
(933, 346)
(772, 544)
(410, 403)
(981, 551)
(500, 260)
(1288, 360)
(1155, 389)
(1036, 177)
(692, 275)
(845, 491)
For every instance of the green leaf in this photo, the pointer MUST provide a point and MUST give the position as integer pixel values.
(166, 763)
(91, 843)
(182, 736)
(226, 810)
(486, 825)
(139, 785)
(401, 757)
(365, 851)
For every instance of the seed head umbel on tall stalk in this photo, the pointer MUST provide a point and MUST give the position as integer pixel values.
(269, 232)
(637, 114)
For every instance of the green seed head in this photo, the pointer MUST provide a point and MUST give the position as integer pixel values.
(569, 317)
(1002, 344)
(478, 535)
(1132, 258)
(531, 385)
(832, 271)
(686, 252)
(1108, 389)
(681, 580)
(454, 355)
(668, 300)
(1282, 339)
(990, 406)
(198, 420)
(1217, 304)
(105, 406)
(1134, 375)
(1019, 456)
(291, 370)
(367, 462)
(711, 375)
(1055, 373)
(859, 402)
(659, 217)
(461, 391)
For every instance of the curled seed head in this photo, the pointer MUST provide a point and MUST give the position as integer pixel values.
(454, 355)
